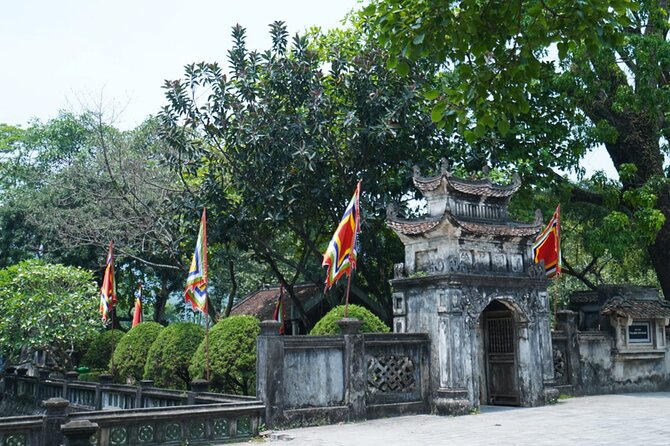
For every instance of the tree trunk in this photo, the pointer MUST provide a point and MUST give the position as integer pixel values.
(659, 251)
(161, 298)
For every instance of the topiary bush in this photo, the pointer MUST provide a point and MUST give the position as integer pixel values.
(232, 356)
(131, 353)
(170, 355)
(100, 349)
(328, 324)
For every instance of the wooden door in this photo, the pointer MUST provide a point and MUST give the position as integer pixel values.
(501, 364)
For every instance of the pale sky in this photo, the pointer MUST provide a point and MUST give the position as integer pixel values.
(73, 54)
(67, 54)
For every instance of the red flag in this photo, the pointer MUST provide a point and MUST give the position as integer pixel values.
(547, 246)
(340, 257)
(108, 288)
(138, 318)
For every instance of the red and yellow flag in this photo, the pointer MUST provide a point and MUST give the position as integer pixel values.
(196, 283)
(108, 288)
(547, 246)
(137, 316)
(340, 257)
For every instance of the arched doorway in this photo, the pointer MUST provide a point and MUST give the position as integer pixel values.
(500, 355)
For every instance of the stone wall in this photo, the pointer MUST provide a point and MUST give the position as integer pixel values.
(308, 380)
(588, 362)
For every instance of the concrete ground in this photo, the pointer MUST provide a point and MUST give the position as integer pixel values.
(625, 419)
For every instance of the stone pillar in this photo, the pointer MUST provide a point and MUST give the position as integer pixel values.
(354, 362)
(105, 380)
(197, 386)
(56, 415)
(567, 322)
(139, 393)
(269, 370)
(79, 432)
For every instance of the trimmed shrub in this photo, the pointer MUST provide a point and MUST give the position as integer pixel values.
(328, 324)
(131, 353)
(100, 349)
(232, 356)
(170, 355)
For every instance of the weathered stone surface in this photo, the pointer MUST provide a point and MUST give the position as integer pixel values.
(464, 260)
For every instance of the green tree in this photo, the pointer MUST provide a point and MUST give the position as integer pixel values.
(232, 355)
(170, 355)
(130, 355)
(328, 323)
(274, 149)
(46, 307)
(548, 82)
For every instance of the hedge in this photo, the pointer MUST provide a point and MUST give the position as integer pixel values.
(131, 353)
(232, 356)
(100, 350)
(328, 323)
(170, 355)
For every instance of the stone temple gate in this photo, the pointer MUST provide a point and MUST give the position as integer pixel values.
(470, 282)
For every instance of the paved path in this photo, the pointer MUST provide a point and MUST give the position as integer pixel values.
(629, 419)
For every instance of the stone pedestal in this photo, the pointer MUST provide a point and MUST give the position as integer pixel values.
(79, 432)
(349, 325)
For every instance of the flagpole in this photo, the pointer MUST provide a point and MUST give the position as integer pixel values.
(346, 297)
(112, 335)
(207, 343)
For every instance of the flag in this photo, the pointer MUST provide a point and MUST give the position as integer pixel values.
(547, 246)
(279, 309)
(340, 257)
(137, 316)
(108, 288)
(196, 283)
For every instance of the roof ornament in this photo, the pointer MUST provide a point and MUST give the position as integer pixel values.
(486, 170)
(416, 171)
(538, 217)
(391, 210)
(444, 166)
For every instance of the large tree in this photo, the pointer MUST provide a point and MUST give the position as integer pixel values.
(536, 84)
(275, 146)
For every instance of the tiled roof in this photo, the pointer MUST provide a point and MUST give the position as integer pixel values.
(261, 303)
(479, 188)
(584, 297)
(513, 229)
(410, 227)
(636, 308)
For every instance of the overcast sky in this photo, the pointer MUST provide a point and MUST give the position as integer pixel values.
(68, 53)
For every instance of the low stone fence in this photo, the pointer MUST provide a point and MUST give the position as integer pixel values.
(105, 395)
(307, 380)
(115, 414)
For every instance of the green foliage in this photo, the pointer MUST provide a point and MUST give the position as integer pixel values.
(101, 348)
(328, 323)
(274, 147)
(47, 307)
(170, 355)
(232, 355)
(131, 354)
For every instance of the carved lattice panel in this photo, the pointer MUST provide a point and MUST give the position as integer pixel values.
(244, 426)
(173, 432)
(15, 440)
(391, 374)
(118, 436)
(145, 434)
(196, 430)
(221, 428)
